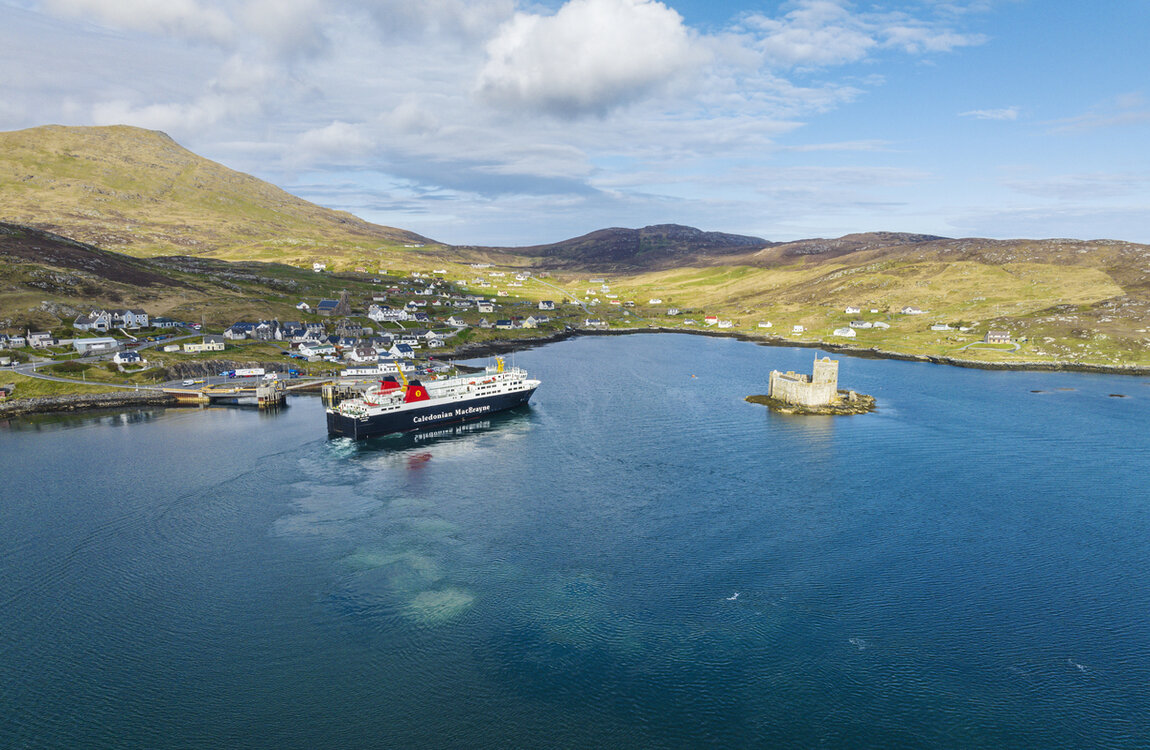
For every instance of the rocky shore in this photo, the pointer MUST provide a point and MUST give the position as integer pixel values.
(877, 353)
(856, 403)
(84, 402)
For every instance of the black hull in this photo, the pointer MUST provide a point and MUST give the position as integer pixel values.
(434, 415)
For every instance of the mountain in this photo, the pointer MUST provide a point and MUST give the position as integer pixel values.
(629, 250)
(139, 192)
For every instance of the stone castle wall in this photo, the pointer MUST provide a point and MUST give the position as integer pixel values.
(819, 390)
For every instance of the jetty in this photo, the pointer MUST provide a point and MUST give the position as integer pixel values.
(265, 395)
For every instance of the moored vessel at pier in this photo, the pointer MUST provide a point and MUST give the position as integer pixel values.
(391, 406)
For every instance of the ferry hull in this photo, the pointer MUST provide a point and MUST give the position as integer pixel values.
(432, 415)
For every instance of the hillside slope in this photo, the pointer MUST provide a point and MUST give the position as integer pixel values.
(46, 280)
(139, 192)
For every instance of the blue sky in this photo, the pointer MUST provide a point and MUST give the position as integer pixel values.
(506, 122)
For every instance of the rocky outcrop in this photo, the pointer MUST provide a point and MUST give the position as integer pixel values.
(84, 401)
(848, 403)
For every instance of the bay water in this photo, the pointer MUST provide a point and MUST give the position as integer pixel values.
(638, 559)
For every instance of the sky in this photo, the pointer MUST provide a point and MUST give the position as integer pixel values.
(508, 122)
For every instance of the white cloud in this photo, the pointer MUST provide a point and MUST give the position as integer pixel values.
(819, 33)
(288, 29)
(339, 142)
(918, 39)
(468, 19)
(189, 19)
(1125, 109)
(1083, 187)
(1007, 113)
(177, 117)
(590, 57)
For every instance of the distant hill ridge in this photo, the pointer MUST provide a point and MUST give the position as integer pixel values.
(658, 246)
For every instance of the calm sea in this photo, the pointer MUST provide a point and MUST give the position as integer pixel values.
(640, 559)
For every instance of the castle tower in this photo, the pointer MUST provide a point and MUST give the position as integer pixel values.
(826, 371)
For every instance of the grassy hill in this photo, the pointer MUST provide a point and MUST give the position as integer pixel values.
(1069, 301)
(139, 192)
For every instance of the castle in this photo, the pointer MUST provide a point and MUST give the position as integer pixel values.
(820, 389)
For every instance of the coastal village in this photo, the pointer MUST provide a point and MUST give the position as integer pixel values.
(404, 322)
(424, 312)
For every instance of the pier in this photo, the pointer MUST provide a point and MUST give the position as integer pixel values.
(271, 395)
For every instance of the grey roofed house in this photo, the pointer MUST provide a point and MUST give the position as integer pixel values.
(97, 320)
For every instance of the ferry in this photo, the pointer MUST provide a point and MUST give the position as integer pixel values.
(394, 406)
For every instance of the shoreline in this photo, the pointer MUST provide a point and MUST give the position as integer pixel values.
(22, 407)
(852, 351)
(85, 402)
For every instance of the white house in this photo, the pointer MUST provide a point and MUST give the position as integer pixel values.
(997, 337)
(303, 306)
(725, 324)
(654, 301)
(844, 332)
(133, 318)
(128, 358)
(97, 320)
(40, 339)
(940, 327)
(765, 324)
(797, 329)
(385, 314)
(484, 306)
(861, 324)
(546, 304)
(853, 310)
(402, 351)
(456, 321)
(363, 353)
(318, 267)
(238, 331)
(911, 310)
(711, 320)
(316, 350)
(880, 324)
